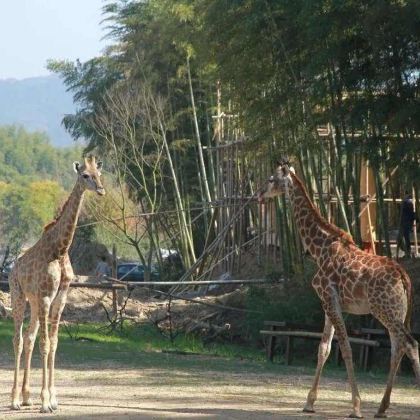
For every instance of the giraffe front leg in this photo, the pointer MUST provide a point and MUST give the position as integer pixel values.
(44, 347)
(333, 310)
(323, 353)
(18, 347)
(28, 346)
(51, 363)
(56, 311)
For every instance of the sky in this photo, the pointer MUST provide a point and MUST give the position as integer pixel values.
(33, 31)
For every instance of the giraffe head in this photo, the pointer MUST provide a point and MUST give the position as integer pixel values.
(279, 183)
(89, 174)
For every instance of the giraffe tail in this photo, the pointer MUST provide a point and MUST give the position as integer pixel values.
(409, 291)
(5, 311)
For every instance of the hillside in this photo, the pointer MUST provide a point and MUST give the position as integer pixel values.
(37, 103)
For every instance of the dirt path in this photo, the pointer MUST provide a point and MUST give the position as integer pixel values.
(117, 392)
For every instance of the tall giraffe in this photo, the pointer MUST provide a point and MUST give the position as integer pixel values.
(349, 280)
(42, 276)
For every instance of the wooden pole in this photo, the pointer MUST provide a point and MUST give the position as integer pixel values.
(371, 233)
(416, 247)
(114, 275)
(374, 196)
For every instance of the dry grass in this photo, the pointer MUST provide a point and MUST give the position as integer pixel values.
(202, 388)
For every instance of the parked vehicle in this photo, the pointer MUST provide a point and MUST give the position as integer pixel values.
(135, 272)
(4, 276)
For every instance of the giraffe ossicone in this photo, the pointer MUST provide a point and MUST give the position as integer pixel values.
(42, 277)
(349, 280)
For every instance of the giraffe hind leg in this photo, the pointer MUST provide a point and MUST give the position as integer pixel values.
(401, 342)
(18, 311)
(412, 352)
(28, 346)
(397, 351)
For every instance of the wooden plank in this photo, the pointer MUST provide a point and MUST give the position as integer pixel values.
(310, 334)
(192, 282)
(159, 283)
(98, 286)
(374, 331)
(271, 344)
(289, 350)
(303, 334)
(275, 323)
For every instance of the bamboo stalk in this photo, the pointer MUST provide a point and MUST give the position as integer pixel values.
(198, 137)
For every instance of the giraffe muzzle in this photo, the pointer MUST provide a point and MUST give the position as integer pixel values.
(100, 191)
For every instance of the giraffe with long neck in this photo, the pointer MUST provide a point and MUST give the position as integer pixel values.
(349, 280)
(42, 277)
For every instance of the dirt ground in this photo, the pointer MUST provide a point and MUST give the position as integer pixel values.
(112, 391)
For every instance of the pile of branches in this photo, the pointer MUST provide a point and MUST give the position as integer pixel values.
(210, 317)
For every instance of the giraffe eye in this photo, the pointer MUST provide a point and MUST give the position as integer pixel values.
(85, 176)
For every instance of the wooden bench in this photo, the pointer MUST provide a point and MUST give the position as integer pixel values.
(291, 331)
(377, 334)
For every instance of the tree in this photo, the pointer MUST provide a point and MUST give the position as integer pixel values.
(286, 70)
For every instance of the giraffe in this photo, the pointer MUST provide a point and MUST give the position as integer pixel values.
(349, 280)
(42, 276)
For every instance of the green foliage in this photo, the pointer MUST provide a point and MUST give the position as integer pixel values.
(34, 178)
(29, 156)
(25, 209)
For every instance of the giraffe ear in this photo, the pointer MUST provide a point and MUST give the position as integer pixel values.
(76, 166)
(99, 165)
(292, 170)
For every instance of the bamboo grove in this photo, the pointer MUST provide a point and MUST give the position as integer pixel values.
(327, 83)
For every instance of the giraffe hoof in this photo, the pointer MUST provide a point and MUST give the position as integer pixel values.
(15, 406)
(47, 409)
(355, 416)
(308, 410)
(54, 405)
(380, 416)
(27, 403)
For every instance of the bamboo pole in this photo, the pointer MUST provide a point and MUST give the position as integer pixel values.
(198, 137)
(185, 228)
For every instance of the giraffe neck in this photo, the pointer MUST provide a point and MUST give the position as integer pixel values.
(315, 231)
(60, 234)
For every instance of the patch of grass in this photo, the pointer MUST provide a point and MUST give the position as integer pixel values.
(89, 344)
(146, 338)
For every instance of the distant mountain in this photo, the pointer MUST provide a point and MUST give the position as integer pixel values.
(38, 103)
